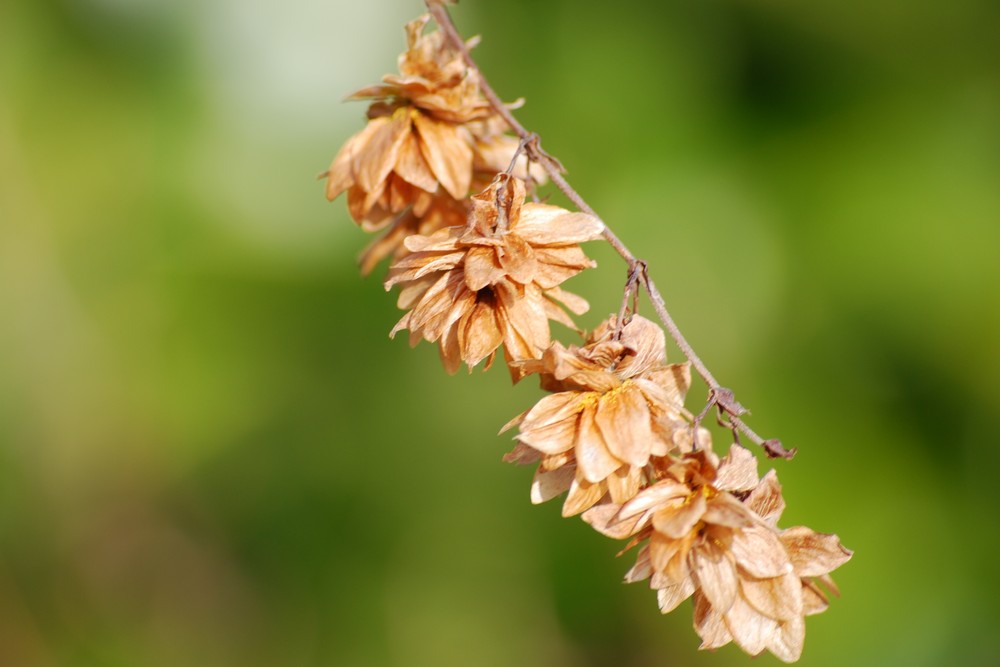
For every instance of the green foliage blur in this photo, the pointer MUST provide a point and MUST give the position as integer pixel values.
(212, 454)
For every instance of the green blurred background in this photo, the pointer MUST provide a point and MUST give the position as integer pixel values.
(211, 454)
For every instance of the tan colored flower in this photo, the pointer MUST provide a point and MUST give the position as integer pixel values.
(617, 403)
(494, 281)
(417, 138)
(712, 535)
(399, 160)
(431, 137)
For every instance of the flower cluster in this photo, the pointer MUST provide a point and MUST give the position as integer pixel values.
(478, 273)
(430, 138)
(615, 437)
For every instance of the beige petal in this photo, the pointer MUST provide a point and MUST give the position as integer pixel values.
(482, 268)
(601, 517)
(442, 304)
(814, 599)
(521, 455)
(447, 152)
(526, 327)
(431, 263)
(357, 204)
(547, 225)
(765, 500)
(403, 323)
(814, 554)
(665, 417)
(678, 522)
(675, 379)
(751, 630)
(377, 157)
(547, 485)
(759, 551)
(478, 333)
(787, 643)
(557, 265)
(709, 624)
(401, 194)
(554, 409)
(412, 292)
(779, 598)
(737, 471)
(443, 240)
(726, 510)
(582, 496)
(623, 418)
(592, 454)
(412, 167)
(715, 572)
(575, 304)
(655, 496)
(624, 483)
(552, 462)
(669, 555)
(514, 191)
(340, 176)
(376, 90)
(518, 259)
(648, 343)
(670, 597)
(450, 351)
(642, 569)
(555, 313)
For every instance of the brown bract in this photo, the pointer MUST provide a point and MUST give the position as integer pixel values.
(711, 531)
(494, 281)
(617, 404)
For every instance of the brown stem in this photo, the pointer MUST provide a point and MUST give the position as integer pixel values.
(718, 395)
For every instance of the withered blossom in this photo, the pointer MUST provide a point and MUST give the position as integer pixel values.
(616, 404)
(431, 137)
(494, 281)
(712, 534)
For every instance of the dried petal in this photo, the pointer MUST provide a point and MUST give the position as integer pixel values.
(715, 572)
(592, 454)
(760, 553)
(547, 485)
(737, 471)
(814, 554)
(765, 500)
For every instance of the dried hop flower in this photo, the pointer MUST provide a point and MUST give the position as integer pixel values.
(711, 531)
(431, 136)
(495, 280)
(617, 403)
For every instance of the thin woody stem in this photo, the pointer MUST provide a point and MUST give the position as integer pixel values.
(718, 395)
